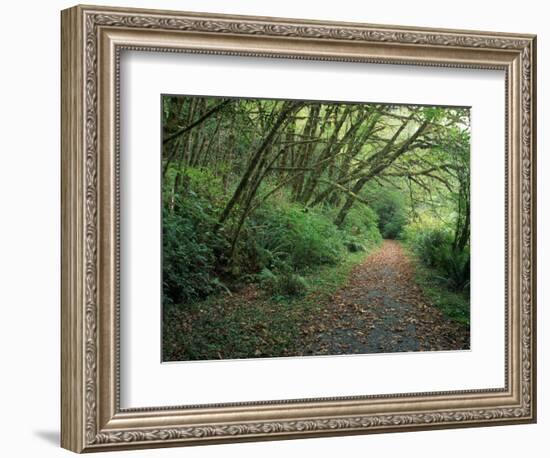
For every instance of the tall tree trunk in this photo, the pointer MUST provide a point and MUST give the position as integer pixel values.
(285, 112)
(314, 175)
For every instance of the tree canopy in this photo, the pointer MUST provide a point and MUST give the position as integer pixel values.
(320, 153)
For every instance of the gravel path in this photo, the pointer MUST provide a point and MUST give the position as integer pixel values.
(382, 310)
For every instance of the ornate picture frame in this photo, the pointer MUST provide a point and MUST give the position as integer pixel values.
(92, 41)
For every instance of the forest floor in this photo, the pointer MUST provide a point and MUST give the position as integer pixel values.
(372, 303)
(382, 309)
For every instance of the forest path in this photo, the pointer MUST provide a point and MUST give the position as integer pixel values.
(381, 309)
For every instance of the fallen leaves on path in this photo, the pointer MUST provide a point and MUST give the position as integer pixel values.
(381, 309)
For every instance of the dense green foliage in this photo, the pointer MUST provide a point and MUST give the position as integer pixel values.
(360, 229)
(434, 247)
(279, 241)
(188, 253)
(189, 244)
(389, 204)
(455, 304)
(271, 193)
(288, 235)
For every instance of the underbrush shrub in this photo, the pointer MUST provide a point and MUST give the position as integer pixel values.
(282, 284)
(354, 246)
(188, 250)
(431, 245)
(360, 229)
(205, 184)
(391, 211)
(434, 248)
(279, 242)
(456, 266)
(292, 237)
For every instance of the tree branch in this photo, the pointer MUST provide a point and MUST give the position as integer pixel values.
(203, 118)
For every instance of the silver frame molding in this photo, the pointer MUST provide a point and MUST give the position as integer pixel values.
(92, 39)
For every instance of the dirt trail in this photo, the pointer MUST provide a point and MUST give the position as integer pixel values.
(382, 309)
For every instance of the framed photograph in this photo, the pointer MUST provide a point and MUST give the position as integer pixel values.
(279, 228)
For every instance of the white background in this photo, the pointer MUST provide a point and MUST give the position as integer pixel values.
(146, 383)
(29, 245)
